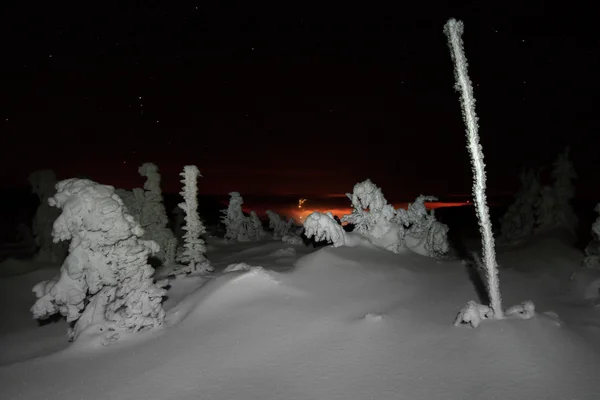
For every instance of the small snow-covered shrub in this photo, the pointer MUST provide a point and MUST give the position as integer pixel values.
(194, 248)
(473, 313)
(525, 310)
(106, 278)
(324, 227)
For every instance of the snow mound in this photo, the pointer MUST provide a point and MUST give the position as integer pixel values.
(287, 252)
(239, 267)
(370, 317)
(229, 291)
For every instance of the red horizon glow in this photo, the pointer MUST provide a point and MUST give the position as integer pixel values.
(299, 214)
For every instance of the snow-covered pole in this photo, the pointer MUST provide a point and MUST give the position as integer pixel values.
(454, 29)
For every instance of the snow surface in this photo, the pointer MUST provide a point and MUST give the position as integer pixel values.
(336, 323)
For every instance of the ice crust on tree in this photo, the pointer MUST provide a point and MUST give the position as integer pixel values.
(43, 184)
(519, 220)
(194, 247)
(324, 227)
(106, 279)
(553, 209)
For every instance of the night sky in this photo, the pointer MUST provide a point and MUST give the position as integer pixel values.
(295, 100)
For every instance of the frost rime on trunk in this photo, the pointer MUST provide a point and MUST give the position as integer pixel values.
(194, 248)
(453, 30)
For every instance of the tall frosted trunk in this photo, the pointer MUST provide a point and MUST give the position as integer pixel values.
(454, 29)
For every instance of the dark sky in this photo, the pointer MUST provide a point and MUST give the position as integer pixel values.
(295, 99)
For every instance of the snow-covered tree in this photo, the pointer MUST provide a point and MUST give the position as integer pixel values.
(194, 248)
(237, 225)
(553, 209)
(105, 281)
(371, 213)
(414, 228)
(280, 226)
(324, 227)
(592, 250)
(43, 185)
(134, 201)
(421, 232)
(472, 311)
(519, 220)
(153, 216)
(256, 227)
(178, 222)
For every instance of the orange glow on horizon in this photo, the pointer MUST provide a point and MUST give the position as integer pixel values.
(300, 214)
